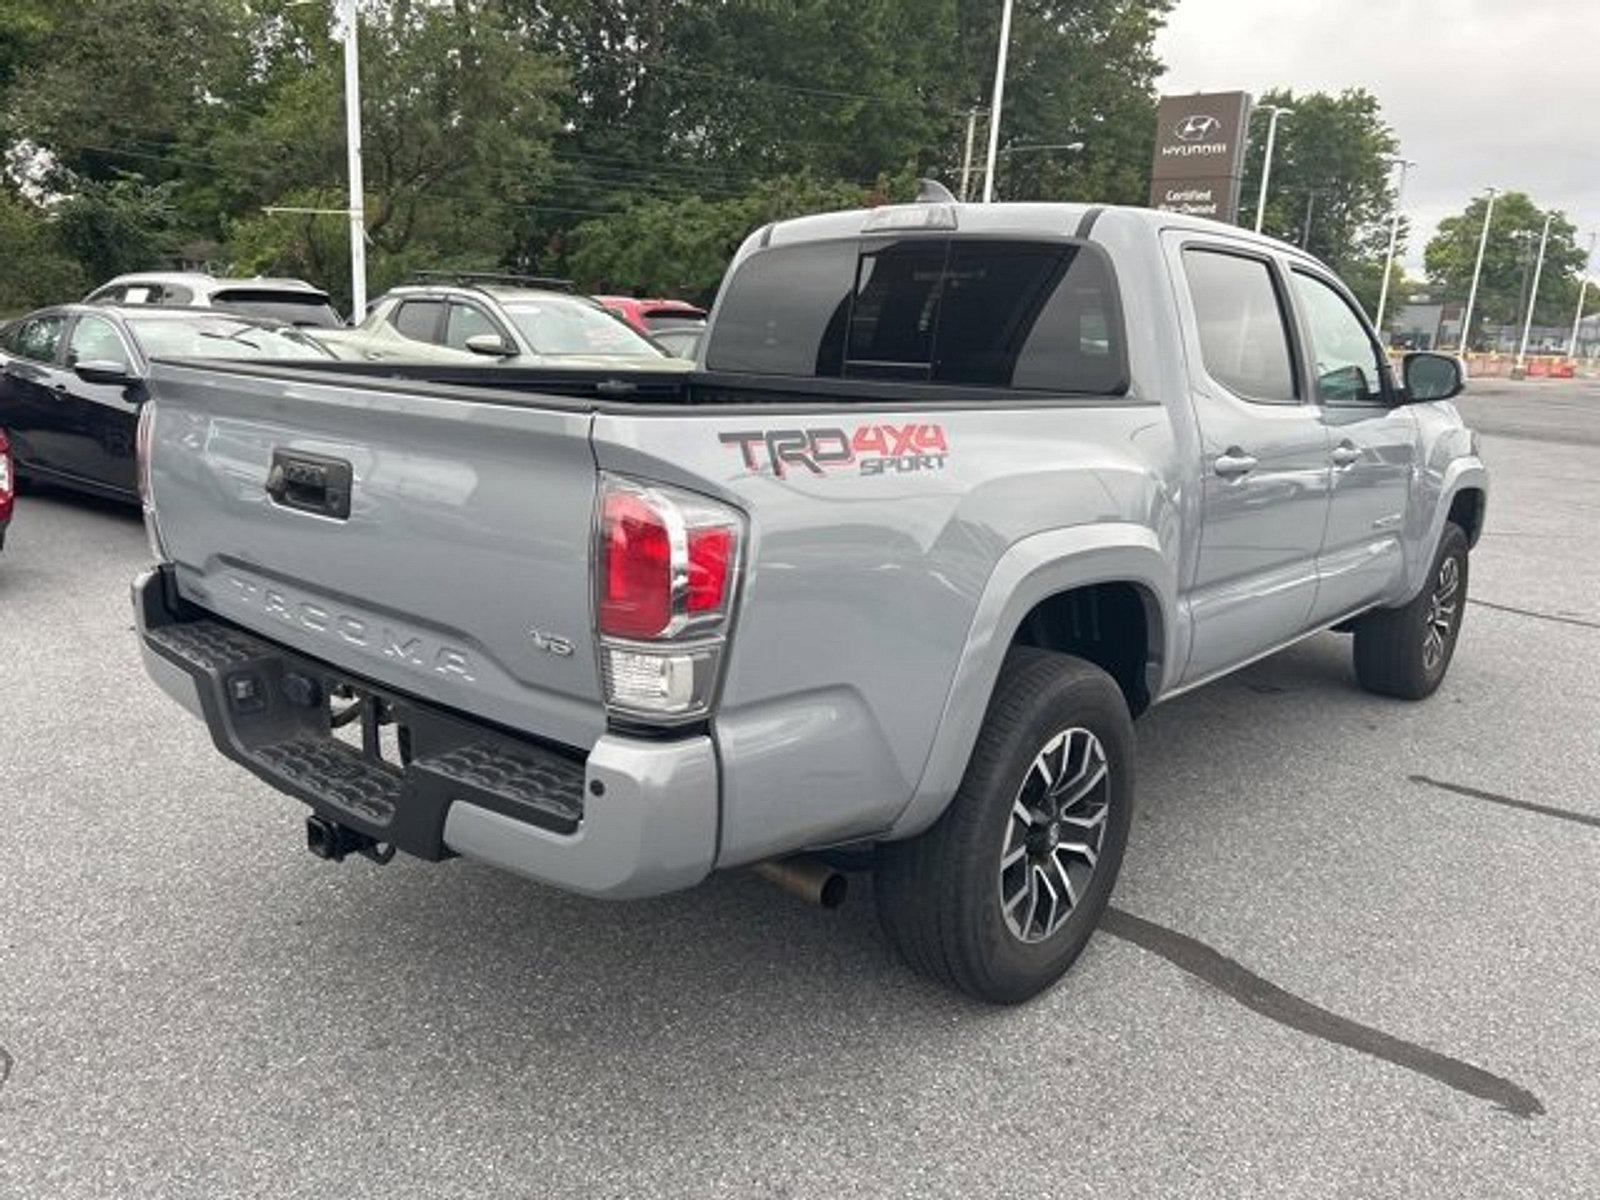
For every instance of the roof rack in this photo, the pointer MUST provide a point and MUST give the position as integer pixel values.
(479, 278)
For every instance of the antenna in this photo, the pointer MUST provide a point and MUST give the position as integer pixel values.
(931, 191)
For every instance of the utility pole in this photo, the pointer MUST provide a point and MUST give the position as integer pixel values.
(1583, 292)
(1533, 292)
(1311, 207)
(1266, 163)
(1477, 270)
(1394, 233)
(999, 99)
(966, 158)
(352, 126)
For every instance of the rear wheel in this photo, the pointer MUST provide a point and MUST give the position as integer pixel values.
(1002, 893)
(1406, 651)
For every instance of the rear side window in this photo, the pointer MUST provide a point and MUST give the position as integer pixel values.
(976, 313)
(417, 319)
(1244, 338)
(294, 307)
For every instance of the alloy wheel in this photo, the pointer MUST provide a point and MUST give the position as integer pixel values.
(1053, 836)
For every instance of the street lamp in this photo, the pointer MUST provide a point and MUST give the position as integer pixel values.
(999, 98)
(1477, 270)
(352, 134)
(1583, 291)
(1533, 292)
(1266, 164)
(1068, 147)
(1394, 233)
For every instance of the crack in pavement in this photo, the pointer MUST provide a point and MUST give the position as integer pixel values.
(1539, 616)
(1259, 995)
(6, 1063)
(1544, 810)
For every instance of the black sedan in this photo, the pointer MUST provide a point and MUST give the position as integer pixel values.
(72, 379)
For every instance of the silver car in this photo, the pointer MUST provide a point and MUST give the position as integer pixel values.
(293, 301)
(491, 321)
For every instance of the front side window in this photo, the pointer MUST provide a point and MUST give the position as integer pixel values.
(95, 339)
(1244, 339)
(39, 337)
(465, 321)
(988, 313)
(1348, 367)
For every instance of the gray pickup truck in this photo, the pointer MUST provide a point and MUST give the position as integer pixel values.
(953, 495)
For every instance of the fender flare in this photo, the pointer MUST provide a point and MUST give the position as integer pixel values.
(1463, 474)
(1032, 570)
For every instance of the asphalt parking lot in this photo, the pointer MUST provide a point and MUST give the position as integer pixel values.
(1357, 950)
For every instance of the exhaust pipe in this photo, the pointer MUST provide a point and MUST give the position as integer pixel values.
(809, 878)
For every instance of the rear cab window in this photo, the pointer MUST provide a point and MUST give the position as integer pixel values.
(980, 312)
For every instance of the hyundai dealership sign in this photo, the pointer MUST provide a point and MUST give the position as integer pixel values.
(1199, 157)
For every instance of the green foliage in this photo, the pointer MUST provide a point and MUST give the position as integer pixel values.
(1508, 260)
(630, 141)
(681, 247)
(39, 271)
(1331, 161)
(118, 225)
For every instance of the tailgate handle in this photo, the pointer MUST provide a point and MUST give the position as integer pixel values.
(310, 483)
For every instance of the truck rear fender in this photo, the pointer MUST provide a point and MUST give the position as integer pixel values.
(1032, 571)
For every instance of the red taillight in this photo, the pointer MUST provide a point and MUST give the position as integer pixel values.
(635, 568)
(710, 556)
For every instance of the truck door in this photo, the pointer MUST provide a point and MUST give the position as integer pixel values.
(1264, 469)
(1373, 449)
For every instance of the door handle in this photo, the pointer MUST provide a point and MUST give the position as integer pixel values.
(1345, 454)
(59, 389)
(1233, 463)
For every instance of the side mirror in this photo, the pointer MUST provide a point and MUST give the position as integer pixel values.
(491, 345)
(104, 370)
(1430, 376)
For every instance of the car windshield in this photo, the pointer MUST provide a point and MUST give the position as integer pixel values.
(219, 337)
(556, 326)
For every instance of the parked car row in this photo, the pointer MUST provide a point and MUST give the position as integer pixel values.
(72, 376)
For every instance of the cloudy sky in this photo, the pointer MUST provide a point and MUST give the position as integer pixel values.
(1502, 93)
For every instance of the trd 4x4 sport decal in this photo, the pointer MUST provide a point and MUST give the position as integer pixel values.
(872, 449)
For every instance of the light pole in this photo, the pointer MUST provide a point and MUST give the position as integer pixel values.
(1266, 162)
(1583, 291)
(1533, 292)
(1394, 233)
(999, 98)
(1069, 147)
(352, 129)
(1477, 270)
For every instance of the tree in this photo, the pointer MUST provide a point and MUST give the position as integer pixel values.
(1330, 188)
(682, 247)
(1508, 261)
(39, 271)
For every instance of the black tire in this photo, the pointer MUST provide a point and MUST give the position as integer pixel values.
(1393, 656)
(939, 895)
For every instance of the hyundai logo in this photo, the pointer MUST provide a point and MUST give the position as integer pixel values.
(1196, 128)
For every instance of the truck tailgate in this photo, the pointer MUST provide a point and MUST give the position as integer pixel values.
(435, 541)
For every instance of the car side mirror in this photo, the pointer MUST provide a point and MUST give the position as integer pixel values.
(104, 370)
(491, 345)
(1430, 376)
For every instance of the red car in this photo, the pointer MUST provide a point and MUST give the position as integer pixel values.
(8, 485)
(651, 316)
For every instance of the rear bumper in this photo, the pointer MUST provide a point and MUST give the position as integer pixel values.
(629, 818)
